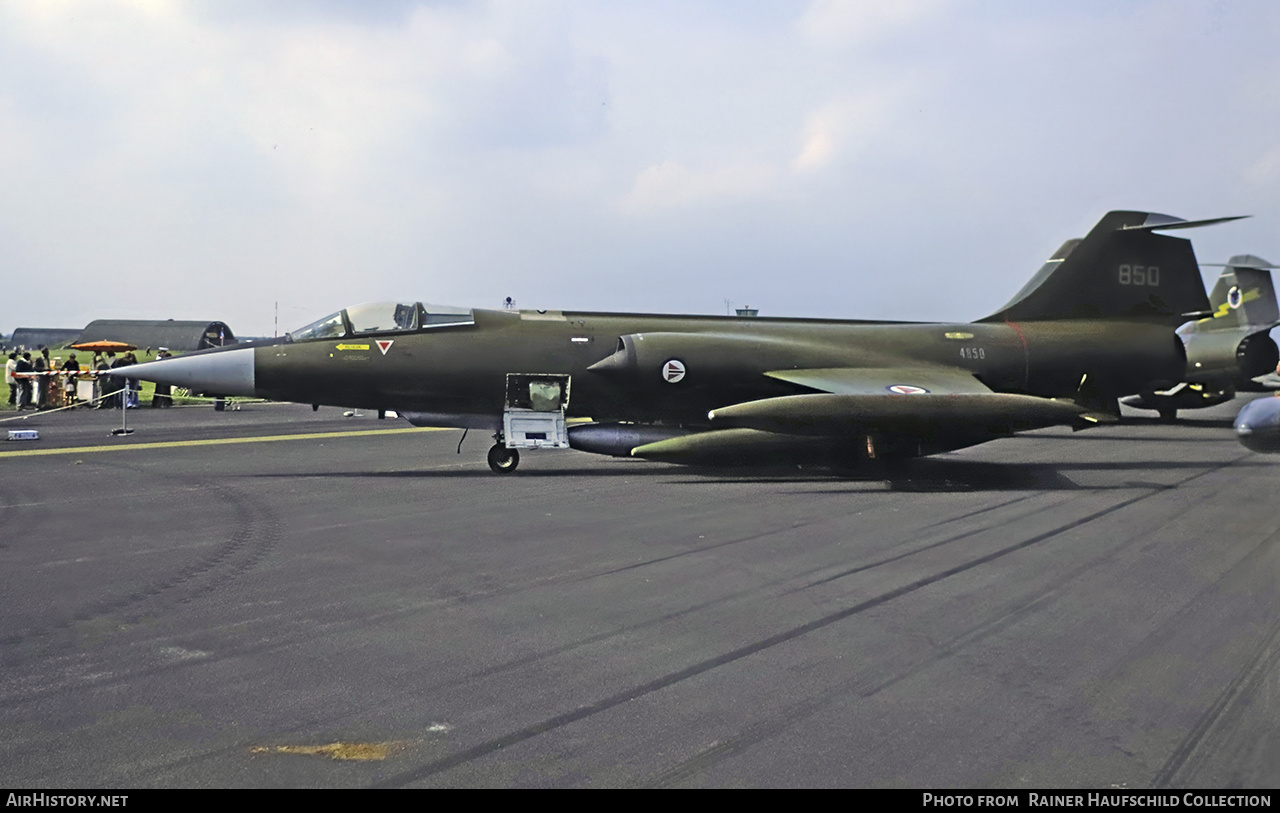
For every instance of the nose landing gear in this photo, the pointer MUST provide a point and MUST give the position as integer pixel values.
(503, 460)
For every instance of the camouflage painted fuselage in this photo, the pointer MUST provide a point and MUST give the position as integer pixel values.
(1096, 322)
(461, 370)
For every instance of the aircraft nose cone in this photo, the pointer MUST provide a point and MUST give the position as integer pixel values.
(223, 372)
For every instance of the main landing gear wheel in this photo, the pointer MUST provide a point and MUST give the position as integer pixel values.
(503, 460)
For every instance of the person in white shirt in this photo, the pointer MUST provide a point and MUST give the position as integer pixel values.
(9, 367)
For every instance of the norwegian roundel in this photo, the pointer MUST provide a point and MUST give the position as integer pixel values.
(906, 389)
(1233, 297)
(673, 371)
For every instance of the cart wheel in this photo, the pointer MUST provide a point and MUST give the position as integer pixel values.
(503, 460)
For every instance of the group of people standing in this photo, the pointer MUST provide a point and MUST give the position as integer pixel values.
(45, 392)
(26, 392)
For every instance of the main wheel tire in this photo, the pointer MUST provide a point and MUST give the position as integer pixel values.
(503, 460)
(1168, 415)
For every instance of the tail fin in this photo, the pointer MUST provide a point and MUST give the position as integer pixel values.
(1121, 270)
(1243, 296)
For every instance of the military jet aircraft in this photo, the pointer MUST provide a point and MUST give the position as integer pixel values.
(1229, 349)
(1095, 322)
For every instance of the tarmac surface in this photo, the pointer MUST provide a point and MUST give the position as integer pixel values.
(258, 598)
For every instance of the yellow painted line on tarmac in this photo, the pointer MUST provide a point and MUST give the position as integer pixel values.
(171, 444)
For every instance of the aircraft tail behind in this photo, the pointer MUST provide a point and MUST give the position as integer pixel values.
(1121, 270)
(1232, 348)
(1244, 295)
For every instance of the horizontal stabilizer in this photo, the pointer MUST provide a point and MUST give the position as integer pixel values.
(1244, 261)
(1158, 222)
(1262, 383)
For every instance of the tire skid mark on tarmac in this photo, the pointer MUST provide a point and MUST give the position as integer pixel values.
(500, 668)
(510, 665)
(991, 626)
(254, 532)
(657, 560)
(756, 732)
(1259, 666)
(278, 641)
(327, 720)
(940, 543)
(1197, 746)
(582, 712)
(795, 713)
(1193, 751)
(798, 525)
(1152, 488)
(12, 506)
(984, 510)
(517, 663)
(780, 721)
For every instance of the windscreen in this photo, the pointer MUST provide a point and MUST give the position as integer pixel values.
(329, 326)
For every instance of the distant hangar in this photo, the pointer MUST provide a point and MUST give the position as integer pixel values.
(33, 337)
(183, 336)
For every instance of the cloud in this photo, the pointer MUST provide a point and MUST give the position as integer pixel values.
(145, 139)
(1266, 169)
(671, 185)
(840, 128)
(837, 133)
(227, 154)
(845, 23)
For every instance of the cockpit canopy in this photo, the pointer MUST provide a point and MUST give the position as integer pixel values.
(383, 317)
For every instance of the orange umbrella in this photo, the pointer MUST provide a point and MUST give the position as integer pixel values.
(103, 346)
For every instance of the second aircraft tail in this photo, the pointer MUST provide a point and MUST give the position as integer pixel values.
(1244, 296)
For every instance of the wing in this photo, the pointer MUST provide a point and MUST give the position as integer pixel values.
(933, 379)
(908, 410)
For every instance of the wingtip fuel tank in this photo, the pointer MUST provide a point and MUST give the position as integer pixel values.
(1258, 425)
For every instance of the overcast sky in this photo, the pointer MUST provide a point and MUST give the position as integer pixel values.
(896, 160)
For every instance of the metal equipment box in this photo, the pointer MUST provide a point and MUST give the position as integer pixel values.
(527, 429)
(534, 413)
